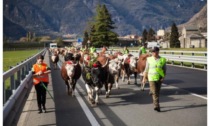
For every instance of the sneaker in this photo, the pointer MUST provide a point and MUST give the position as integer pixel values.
(44, 109)
(157, 109)
(40, 111)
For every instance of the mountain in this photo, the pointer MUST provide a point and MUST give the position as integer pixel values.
(14, 30)
(58, 17)
(199, 20)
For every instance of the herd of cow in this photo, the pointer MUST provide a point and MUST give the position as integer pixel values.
(98, 69)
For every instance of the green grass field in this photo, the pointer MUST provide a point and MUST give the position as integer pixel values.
(11, 58)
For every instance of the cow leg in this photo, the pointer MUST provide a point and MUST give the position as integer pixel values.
(90, 93)
(70, 87)
(55, 65)
(123, 75)
(142, 84)
(116, 78)
(106, 89)
(73, 88)
(67, 87)
(109, 90)
(128, 82)
(135, 77)
(97, 95)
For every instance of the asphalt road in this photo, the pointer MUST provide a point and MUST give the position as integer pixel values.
(183, 101)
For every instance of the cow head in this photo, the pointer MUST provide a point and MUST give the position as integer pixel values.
(113, 66)
(95, 73)
(132, 62)
(95, 54)
(70, 68)
(68, 56)
(53, 58)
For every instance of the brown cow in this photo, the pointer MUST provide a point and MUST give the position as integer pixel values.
(93, 75)
(141, 66)
(70, 73)
(55, 59)
(110, 72)
(128, 68)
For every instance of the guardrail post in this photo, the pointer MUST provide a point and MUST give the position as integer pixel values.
(17, 82)
(27, 67)
(182, 63)
(205, 66)
(12, 81)
(18, 77)
(22, 73)
(8, 93)
(193, 65)
(172, 62)
(4, 93)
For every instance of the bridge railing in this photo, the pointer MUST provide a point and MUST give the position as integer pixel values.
(20, 80)
(192, 57)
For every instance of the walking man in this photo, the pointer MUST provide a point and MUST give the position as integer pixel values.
(155, 71)
(40, 73)
(142, 49)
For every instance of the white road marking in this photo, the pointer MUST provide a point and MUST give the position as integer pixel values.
(87, 111)
(200, 96)
(197, 95)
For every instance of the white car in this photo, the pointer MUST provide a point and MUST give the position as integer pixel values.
(153, 44)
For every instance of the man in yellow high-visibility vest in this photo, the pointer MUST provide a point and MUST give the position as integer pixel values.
(92, 49)
(155, 71)
(142, 49)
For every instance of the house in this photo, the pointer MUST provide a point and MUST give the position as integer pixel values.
(161, 33)
(191, 37)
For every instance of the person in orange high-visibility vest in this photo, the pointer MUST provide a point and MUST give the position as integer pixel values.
(40, 73)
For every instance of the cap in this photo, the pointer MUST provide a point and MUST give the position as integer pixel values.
(40, 57)
(155, 49)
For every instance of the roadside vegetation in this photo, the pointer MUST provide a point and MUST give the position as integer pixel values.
(11, 58)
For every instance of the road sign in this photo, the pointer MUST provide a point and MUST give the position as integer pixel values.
(79, 40)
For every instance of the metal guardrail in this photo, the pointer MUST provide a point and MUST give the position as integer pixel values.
(15, 97)
(172, 52)
(179, 56)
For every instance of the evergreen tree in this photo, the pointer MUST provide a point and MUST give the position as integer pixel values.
(150, 35)
(101, 33)
(59, 41)
(85, 39)
(144, 36)
(174, 38)
(93, 37)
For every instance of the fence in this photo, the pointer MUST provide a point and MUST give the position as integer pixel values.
(15, 97)
(180, 56)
